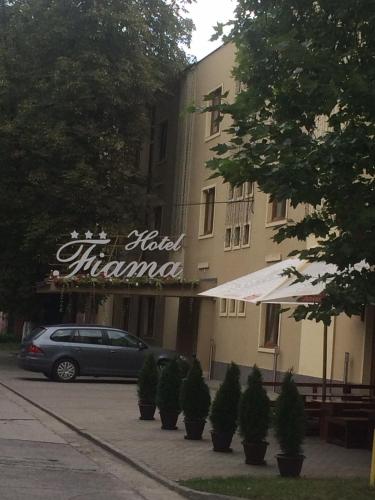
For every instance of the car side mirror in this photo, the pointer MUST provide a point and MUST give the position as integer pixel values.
(141, 346)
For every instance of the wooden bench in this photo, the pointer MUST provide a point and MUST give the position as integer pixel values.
(350, 432)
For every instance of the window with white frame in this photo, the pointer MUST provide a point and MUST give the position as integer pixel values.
(277, 210)
(207, 211)
(237, 237)
(241, 308)
(239, 190)
(228, 238)
(223, 307)
(271, 325)
(237, 230)
(246, 235)
(232, 307)
(214, 115)
(248, 189)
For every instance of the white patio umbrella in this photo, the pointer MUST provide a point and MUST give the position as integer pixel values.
(268, 285)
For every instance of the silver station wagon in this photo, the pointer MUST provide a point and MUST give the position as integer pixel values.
(63, 352)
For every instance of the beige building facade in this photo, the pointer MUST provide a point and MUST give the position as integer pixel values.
(228, 233)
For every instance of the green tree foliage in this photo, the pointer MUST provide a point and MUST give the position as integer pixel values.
(77, 80)
(224, 409)
(303, 129)
(289, 417)
(254, 414)
(169, 386)
(148, 380)
(195, 394)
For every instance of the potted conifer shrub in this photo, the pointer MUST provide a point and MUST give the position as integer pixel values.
(290, 428)
(168, 395)
(184, 366)
(254, 418)
(147, 386)
(224, 410)
(195, 401)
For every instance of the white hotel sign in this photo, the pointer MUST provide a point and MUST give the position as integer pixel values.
(86, 256)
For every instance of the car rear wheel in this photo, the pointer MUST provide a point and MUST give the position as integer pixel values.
(65, 370)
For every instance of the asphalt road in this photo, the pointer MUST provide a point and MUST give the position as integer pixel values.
(41, 459)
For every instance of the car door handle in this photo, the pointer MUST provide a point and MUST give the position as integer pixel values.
(113, 351)
(77, 349)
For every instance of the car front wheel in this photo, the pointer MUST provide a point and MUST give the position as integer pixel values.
(65, 370)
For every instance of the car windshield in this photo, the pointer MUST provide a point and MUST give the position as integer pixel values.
(36, 332)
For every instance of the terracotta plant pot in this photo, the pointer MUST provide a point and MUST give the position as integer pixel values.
(255, 452)
(168, 420)
(221, 441)
(194, 429)
(146, 410)
(289, 466)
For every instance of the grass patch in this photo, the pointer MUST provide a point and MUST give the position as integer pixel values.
(277, 488)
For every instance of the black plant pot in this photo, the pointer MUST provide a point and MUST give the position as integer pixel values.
(222, 441)
(255, 452)
(194, 429)
(289, 466)
(168, 420)
(146, 410)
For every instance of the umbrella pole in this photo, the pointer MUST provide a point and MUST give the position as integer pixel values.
(324, 384)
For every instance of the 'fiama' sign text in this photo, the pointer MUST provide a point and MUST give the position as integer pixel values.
(86, 256)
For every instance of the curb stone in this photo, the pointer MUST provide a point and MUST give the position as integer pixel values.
(136, 464)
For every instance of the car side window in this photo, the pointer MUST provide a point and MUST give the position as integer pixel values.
(121, 339)
(89, 336)
(65, 335)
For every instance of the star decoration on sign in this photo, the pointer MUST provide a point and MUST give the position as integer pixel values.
(88, 235)
(102, 235)
(74, 235)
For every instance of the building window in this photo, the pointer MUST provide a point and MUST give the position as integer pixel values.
(215, 114)
(248, 189)
(223, 311)
(208, 211)
(246, 235)
(272, 325)
(278, 210)
(239, 192)
(231, 307)
(241, 308)
(237, 237)
(163, 138)
(228, 238)
(239, 87)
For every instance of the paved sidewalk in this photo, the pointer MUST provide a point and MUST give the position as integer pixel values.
(108, 409)
(41, 459)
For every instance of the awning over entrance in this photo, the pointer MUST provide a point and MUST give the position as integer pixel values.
(185, 289)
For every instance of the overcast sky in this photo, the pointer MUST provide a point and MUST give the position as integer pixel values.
(205, 15)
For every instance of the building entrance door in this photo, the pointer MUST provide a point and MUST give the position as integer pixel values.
(187, 328)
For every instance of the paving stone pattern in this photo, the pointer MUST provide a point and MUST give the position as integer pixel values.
(109, 410)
